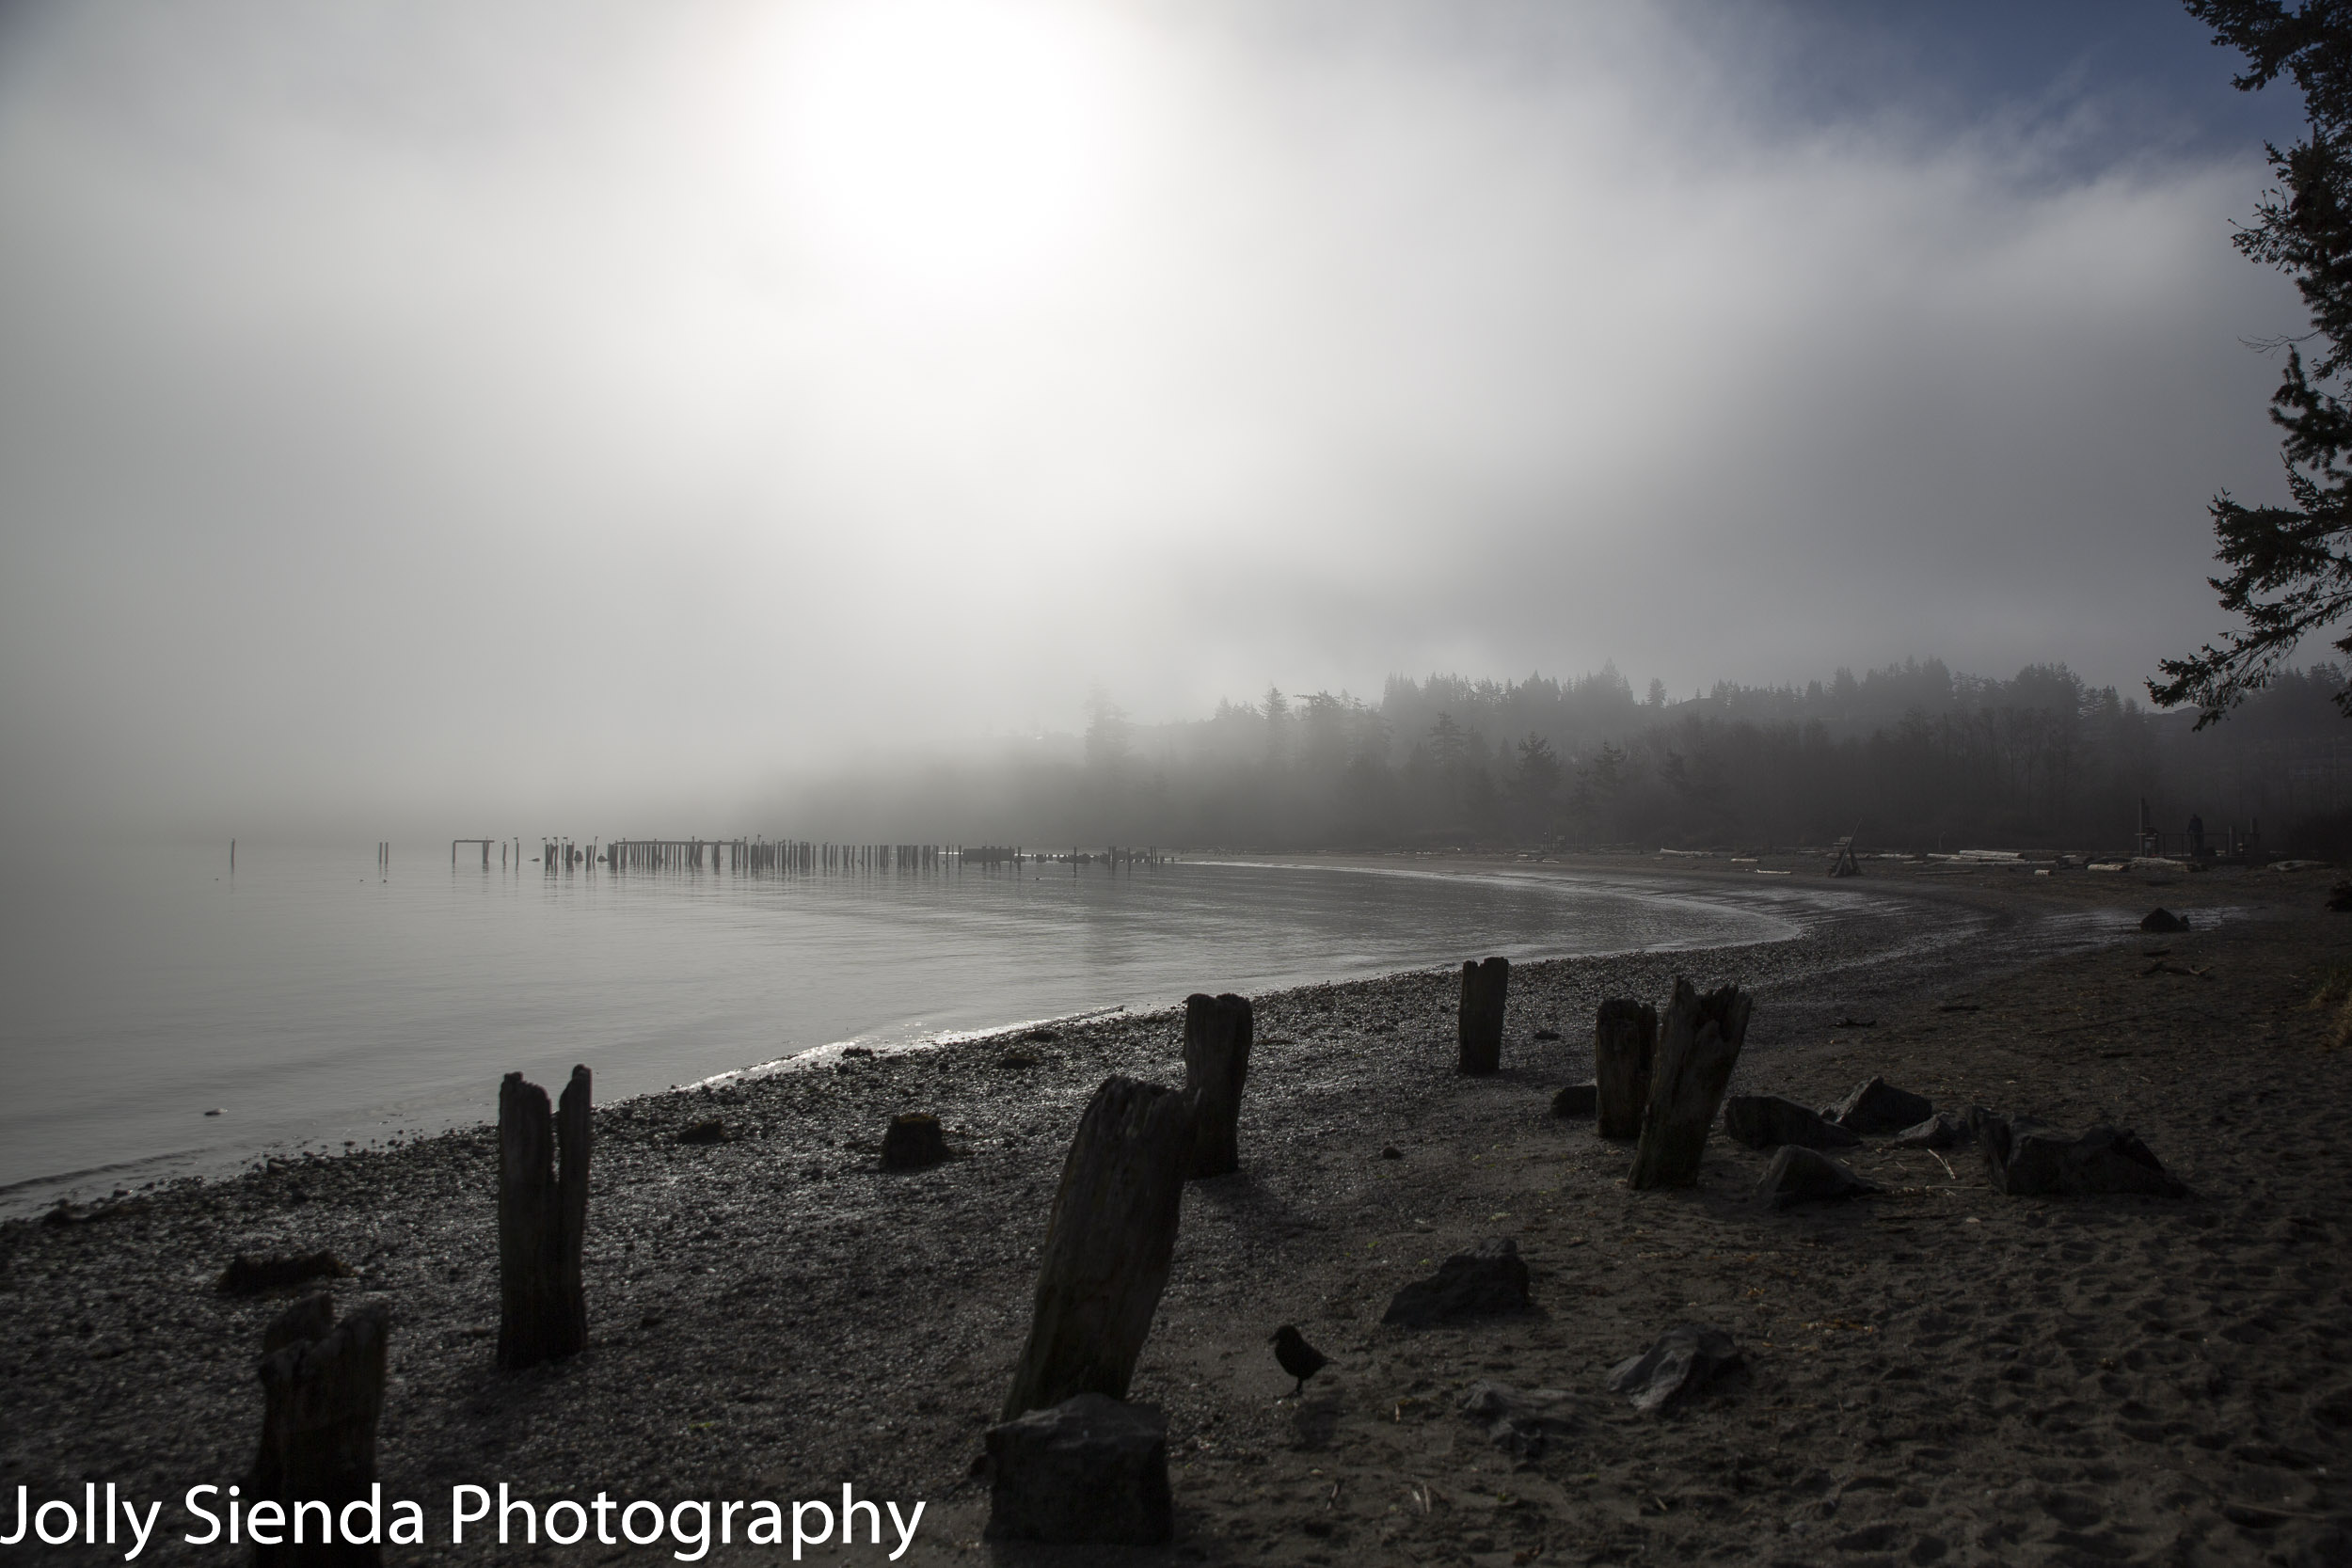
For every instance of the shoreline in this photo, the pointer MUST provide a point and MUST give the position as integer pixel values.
(770, 1316)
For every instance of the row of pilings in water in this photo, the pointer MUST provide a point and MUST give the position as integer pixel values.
(801, 857)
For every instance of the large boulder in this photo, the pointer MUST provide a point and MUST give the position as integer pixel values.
(2026, 1158)
(1521, 1421)
(1088, 1469)
(1877, 1106)
(1487, 1281)
(1768, 1121)
(1682, 1360)
(1803, 1176)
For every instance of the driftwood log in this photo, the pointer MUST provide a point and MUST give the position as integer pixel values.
(1625, 1047)
(1697, 1046)
(322, 1398)
(1484, 987)
(543, 1217)
(1108, 1246)
(1218, 1033)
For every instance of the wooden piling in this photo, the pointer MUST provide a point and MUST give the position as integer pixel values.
(1478, 1027)
(1625, 1047)
(322, 1403)
(1698, 1044)
(543, 1218)
(1217, 1034)
(1108, 1246)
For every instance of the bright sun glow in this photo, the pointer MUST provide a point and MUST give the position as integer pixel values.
(951, 146)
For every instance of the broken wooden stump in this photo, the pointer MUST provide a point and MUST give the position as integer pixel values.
(1698, 1043)
(1108, 1246)
(1484, 987)
(1576, 1101)
(543, 1218)
(2026, 1158)
(1217, 1034)
(1625, 1047)
(1088, 1469)
(322, 1398)
(912, 1142)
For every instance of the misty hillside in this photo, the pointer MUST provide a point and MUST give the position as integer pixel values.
(1912, 755)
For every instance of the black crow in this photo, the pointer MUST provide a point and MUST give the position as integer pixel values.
(1299, 1358)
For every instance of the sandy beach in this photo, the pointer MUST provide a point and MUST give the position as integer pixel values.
(1935, 1374)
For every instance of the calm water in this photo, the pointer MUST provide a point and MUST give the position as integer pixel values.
(311, 1002)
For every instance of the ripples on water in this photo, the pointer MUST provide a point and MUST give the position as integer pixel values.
(313, 1002)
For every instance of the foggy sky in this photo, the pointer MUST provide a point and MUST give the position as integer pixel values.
(570, 416)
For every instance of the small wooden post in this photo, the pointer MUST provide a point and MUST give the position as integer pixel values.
(1218, 1033)
(322, 1398)
(1625, 1045)
(1108, 1246)
(543, 1217)
(1480, 1024)
(1696, 1049)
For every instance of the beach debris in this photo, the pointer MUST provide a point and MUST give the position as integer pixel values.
(2340, 897)
(1299, 1358)
(1521, 1421)
(1941, 1130)
(1043, 1037)
(912, 1141)
(2166, 966)
(1877, 1106)
(1489, 1280)
(713, 1131)
(215, 1112)
(322, 1400)
(1768, 1121)
(1960, 1006)
(1108, 1246)
(1848, 1021)
(1391, 1152)
(1547, 1033)
(1478, 1026)
(857, 1051)
(2164, 919)
(2027, 1158)
(1087, 1469)
(1625, 1048)
(1698, 1044)
(1018, 1059)
(543, 1221)
(1217, 1031)
(1577, 1100)
(251, 1275)
(1680, 1361)
(1799, 1175)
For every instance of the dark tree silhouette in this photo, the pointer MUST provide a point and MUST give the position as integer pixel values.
(2290, 567)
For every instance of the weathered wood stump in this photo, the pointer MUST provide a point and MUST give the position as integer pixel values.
(543, 1217)
(1484, 986)
(322, 1397)
(912, 1141)
(1696, 1048)
(1625, 1046)
(1107, 1246)
(1217, 1034)
(1090, 1469)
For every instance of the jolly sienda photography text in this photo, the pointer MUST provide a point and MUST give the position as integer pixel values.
(217, 1516)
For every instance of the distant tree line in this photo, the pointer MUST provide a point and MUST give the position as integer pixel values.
(1908, 756)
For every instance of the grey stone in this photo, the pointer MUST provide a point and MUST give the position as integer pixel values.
(2026, 1158)
(1800, 1175)
(1487, 1281)
(1090, 1469)
(1682, 1360)
(2164, 919)
(1577, 1100)
(1941, 1130)
(1768, 1121)
(1519, 1421)
(1877, 1106)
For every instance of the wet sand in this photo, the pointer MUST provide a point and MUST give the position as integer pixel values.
(1937, 1374)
